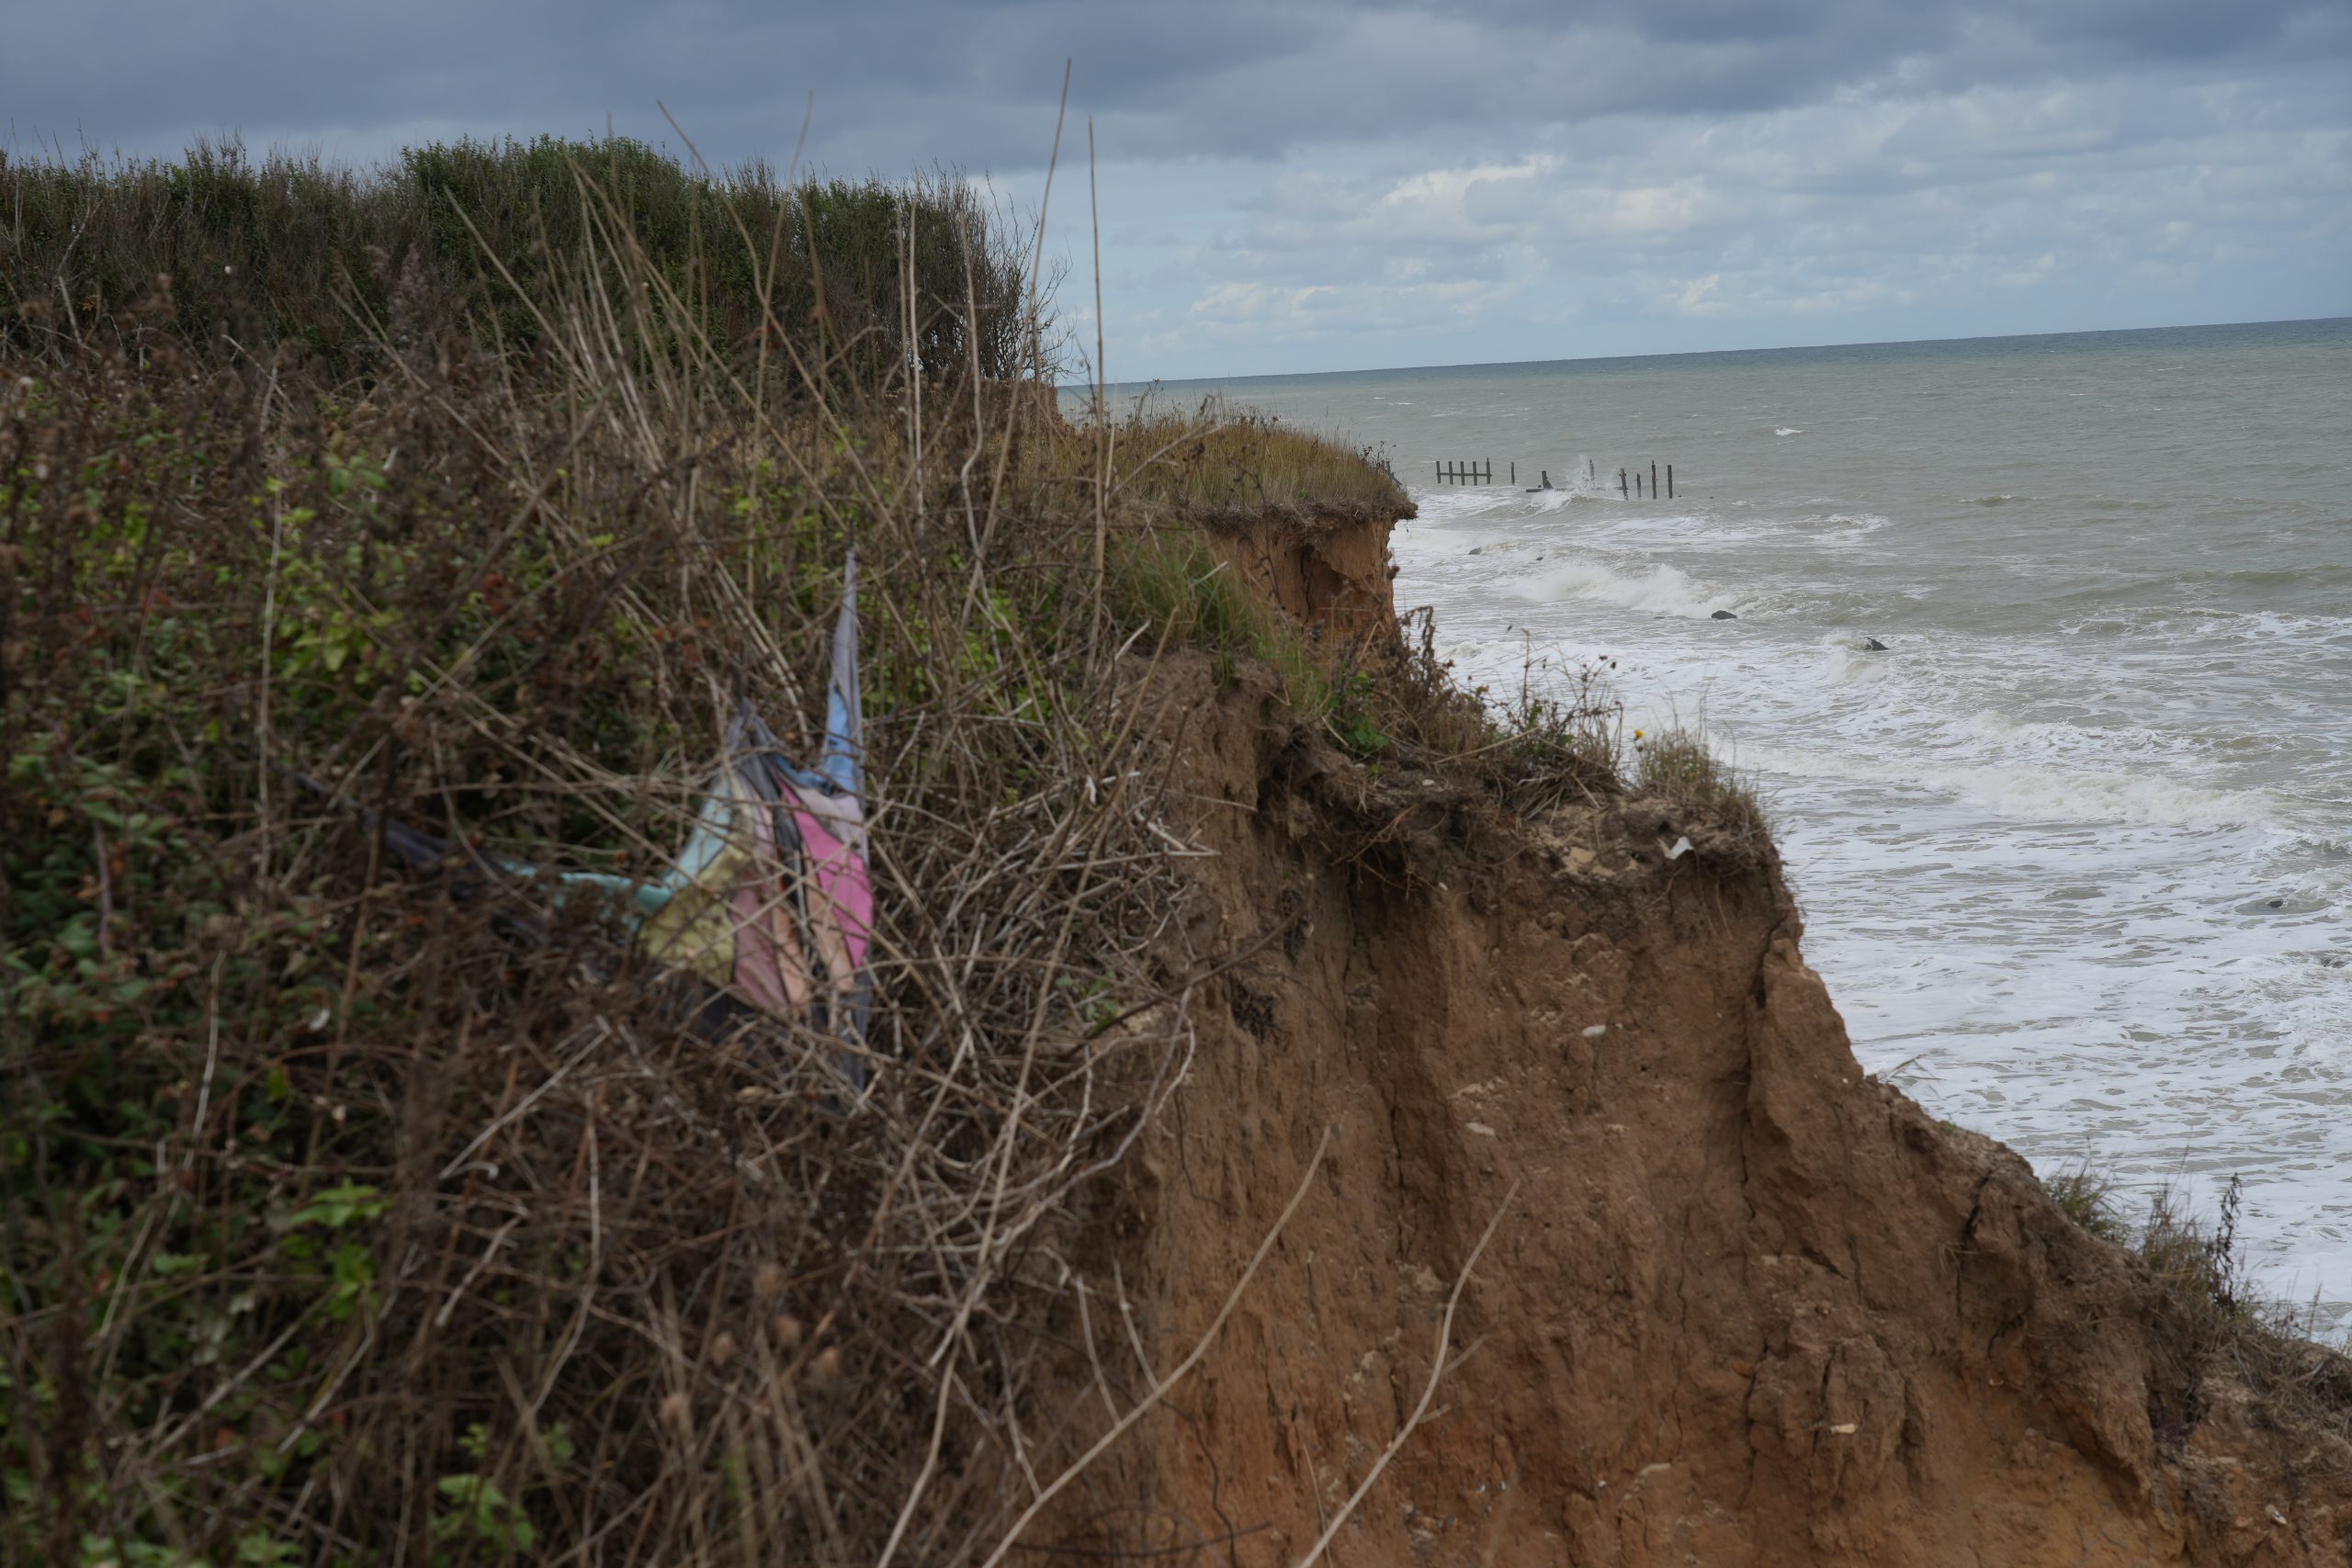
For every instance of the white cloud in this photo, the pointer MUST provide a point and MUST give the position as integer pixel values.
(1985, 209)
(1697, 297)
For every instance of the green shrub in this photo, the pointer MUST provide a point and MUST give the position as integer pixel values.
(294, 251)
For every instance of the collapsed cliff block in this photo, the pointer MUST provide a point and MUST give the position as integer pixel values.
(1328, 569)
(1740, 1303)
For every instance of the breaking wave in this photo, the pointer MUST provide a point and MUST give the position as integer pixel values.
(1661, 590)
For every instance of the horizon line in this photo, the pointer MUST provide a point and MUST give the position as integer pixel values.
(1689, 353)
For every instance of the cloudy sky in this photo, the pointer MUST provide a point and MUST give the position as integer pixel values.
(1319, 186)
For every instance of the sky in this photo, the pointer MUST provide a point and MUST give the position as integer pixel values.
(1284, 188)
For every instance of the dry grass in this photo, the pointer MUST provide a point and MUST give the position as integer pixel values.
(349, 1217)
(2087, 1198)
(1219, 465)
(2208, 1319)
(1678, 767)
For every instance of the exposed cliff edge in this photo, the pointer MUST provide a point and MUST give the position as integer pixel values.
(1744, 1304)
(1328, 572)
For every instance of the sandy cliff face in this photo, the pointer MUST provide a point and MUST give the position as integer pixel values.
(1329, 573)
(1743, 1305)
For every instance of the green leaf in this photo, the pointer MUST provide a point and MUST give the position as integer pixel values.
(338, 1207)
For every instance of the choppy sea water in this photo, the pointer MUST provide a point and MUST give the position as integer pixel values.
(2075, 851)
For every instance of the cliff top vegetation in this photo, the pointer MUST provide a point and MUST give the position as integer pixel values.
(350, 1217)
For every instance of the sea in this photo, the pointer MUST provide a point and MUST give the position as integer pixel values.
(2074, 848)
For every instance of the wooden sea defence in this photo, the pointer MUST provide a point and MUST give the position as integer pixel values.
(1633, 483)
(1632, 490)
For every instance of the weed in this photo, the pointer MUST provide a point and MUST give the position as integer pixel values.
(2087, 1199)
(1679, 767)
(2206, 1316)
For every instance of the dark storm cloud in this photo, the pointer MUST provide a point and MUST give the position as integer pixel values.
(1308, 185)
(975, 83)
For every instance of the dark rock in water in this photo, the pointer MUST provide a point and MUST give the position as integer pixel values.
(2278, 903)
(1872, 644)
(1725, 615)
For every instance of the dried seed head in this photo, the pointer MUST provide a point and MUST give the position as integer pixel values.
(722, 1349)
(790, 1331)
(825, 1369)
(767, 1281)
(674, 1409)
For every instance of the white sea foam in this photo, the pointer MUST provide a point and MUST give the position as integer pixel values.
(1844, 529)
(2036, 793)
(1786, 429)
(1440, 507)
(1662, 590)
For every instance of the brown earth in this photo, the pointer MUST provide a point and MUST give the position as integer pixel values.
(1743, 1304)
(1331, 573)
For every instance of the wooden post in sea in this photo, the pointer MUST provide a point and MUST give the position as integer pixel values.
(1514, 470)
(1637, 484)
(1669, 481)
(1653, 479)
(1623, 492)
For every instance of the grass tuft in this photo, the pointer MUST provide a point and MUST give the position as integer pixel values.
(1678, 766)
(2088, 1198)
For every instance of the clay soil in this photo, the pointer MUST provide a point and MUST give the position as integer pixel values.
(1742, 1302)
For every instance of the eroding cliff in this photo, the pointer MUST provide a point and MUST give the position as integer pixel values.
(1743, 1304)
(1330, 572)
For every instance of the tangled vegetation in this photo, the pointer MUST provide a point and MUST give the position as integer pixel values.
(351, 1217)
(350, 1214)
